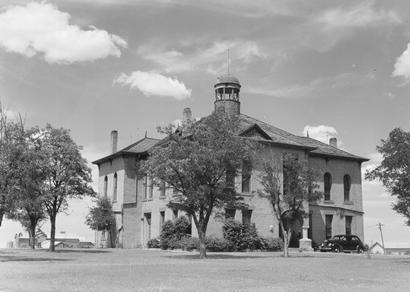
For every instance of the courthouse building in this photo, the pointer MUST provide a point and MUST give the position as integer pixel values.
(141, 208)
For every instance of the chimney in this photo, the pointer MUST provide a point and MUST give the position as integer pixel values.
(333, 142)
(114, 141)
(187, 115)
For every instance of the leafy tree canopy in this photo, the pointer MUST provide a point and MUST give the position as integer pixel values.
(289, 193)
(394, 170)
(199, 161)
(101, 217)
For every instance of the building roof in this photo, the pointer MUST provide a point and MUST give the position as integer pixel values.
(280, 136)
(267, 133)
(139, 147)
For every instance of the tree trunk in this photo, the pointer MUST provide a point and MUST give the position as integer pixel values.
(285, 245)
(202, 246)
(32, 235)
(52, 232)
(286, 237)
(111, 234)
(1, 216)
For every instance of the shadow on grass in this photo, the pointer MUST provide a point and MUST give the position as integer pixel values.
(30, 259)
(217, 256)
(81, 251)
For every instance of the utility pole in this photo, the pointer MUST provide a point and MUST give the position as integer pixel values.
(381, 234)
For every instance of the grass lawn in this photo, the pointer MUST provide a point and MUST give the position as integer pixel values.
(152, 270)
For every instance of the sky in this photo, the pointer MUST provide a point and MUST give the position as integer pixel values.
(334, 68)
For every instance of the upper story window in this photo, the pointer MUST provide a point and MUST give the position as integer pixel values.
(136, 188)
(162, 189)
(105, 186)
(246, 176)
(151, 188)
(346, 187)
(115, 186)
(145, 187)
(230, 177)
(328, 185)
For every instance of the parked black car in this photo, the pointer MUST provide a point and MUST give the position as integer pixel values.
(343, 243)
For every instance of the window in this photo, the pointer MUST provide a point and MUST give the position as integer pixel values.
(348, 223)
(105, 186)
(246, 176)
(151, 189)
(174, 214)
(114, 194)
(346, 187)
(328, 185)
(329, 219)
(230, 213)
(246, 216)
(147, 226)
(230, 177)
(162, 189)
(289, 174)
(161, 218)
(145, 187)
(310, 230)
(136, 188)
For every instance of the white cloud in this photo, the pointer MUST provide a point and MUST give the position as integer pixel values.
(402, 65)
(211, 58)
(361, 15)
(321, 133)
(40, 28)
(151, 83)
(314, 88)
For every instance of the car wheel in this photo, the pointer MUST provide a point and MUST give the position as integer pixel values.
(338, 249)
(359, 249)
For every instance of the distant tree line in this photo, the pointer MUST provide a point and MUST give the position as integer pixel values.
(41, 168)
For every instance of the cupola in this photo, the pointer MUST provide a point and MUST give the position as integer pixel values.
(227, 90)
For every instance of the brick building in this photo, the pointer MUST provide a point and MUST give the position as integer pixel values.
(140, 208)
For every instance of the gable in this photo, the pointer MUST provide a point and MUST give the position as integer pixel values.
(255, 131)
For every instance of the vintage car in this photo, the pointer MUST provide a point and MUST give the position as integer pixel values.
(343, 243)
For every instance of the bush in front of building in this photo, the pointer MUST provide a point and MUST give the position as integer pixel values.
(173, 231)
(218, 244)
(154, 243)
(271, 244)
(241, 236)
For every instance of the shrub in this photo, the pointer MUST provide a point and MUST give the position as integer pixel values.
(182, 227)
(241, 236)
(167, 232)
(272, 244)
(154, 243)
(217, 244)
(189, 243)
(173, 231)
(174, 243)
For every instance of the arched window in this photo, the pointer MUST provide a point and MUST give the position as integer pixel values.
(114, 195)
(328, 185)
(105, 186)
(346, 186)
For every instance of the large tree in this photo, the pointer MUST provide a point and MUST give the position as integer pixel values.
(394, 169)
(101, 218)
(288, 183)
(68, 175)
(27, 177)
(10, 136)
(199, 162)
